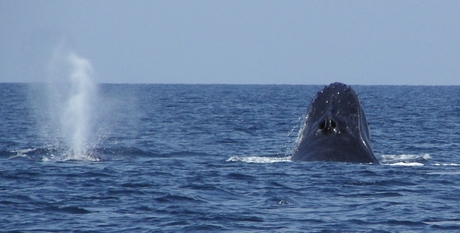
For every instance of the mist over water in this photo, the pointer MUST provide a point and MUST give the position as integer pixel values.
(76, 120)
(68, 109)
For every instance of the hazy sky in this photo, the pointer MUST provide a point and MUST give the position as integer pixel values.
(242, 42)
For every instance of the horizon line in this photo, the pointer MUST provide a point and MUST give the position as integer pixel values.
(240, 84)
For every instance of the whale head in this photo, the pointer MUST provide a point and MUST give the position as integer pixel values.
(335, 128)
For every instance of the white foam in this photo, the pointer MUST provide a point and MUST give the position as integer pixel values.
(405, 157)
(19, 156)
(447, 222)
(409, 160)
(414, 164)
(447, 164)
(63, 158)
(259, 159)
(22, 153)
(444, 173)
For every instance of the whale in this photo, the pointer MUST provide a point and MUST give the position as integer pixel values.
(335, 128)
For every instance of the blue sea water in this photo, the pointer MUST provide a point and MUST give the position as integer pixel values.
(187, 158)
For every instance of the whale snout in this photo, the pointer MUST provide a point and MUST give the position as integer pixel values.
(335, 128)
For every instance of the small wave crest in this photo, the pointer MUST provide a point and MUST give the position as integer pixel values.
(444, 223)
(51, 154)
(46, 154)
(259, 159)
(405, 159)
(414, 164)
(71, 157)
(447, 164)
(68, 209)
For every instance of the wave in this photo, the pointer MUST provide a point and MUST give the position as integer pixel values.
(51, 154)
(447, 164)
(259, 159)
(405, 159)
(117, 153)
(392, 160)
(67, 209)
(408, 164)
(93, 155)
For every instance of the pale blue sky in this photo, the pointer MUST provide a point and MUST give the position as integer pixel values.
(243, 42)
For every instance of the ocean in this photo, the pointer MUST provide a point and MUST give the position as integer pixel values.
(216, 158)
